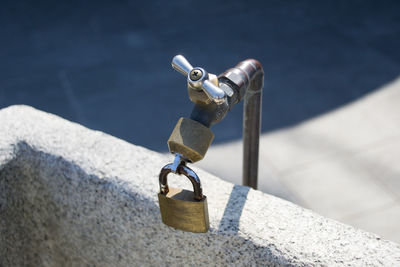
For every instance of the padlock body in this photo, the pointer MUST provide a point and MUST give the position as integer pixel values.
(180, 210)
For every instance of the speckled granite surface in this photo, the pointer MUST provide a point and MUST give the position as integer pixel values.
(72, 196)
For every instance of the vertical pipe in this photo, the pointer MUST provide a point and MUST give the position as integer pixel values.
(252, 120)
(251, 136)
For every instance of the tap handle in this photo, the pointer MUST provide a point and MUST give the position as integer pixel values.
(198, 78)
(180, 64)
(213, 92)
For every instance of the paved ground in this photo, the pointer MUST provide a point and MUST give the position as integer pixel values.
(107, 66)
(344, 164)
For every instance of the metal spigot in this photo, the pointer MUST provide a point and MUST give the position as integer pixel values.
(215, 96)
(190, 139)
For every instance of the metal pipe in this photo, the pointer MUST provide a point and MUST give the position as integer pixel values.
(248, 78)
(252, 128)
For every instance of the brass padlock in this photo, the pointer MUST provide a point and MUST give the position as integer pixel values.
(180, 208)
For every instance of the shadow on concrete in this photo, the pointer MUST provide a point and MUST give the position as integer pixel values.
(107, 65)
(233, 210)
(56, 213)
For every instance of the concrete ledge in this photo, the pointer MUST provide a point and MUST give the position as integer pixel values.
(73, 196)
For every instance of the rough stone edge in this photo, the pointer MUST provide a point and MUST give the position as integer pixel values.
(299, 236)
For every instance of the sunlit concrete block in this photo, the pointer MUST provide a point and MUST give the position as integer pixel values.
(72, 196)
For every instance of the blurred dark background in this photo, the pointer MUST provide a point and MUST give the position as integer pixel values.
(106, 65)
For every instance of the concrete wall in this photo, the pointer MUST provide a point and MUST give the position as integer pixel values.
(72, 196)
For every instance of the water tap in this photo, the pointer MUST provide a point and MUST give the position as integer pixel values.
(213, 96)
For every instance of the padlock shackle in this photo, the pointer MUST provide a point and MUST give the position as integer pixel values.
(181, 170)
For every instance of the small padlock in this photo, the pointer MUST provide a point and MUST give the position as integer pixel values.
(180, 208)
